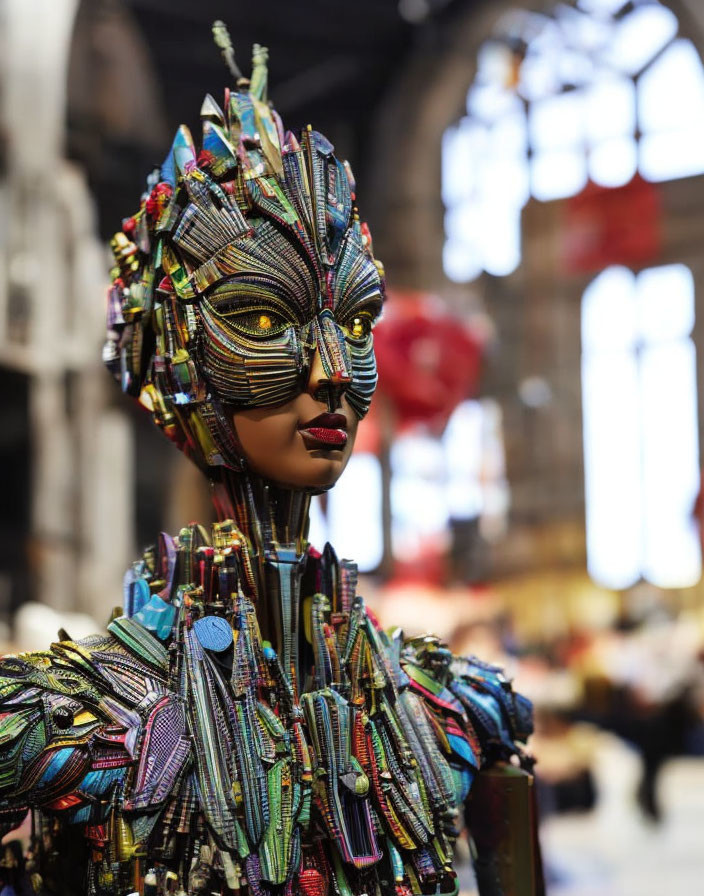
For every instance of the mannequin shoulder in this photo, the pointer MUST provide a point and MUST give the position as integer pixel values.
(86, 669)
(74, 719)
(475, 695)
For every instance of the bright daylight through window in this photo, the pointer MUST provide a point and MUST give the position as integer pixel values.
(597, 91)
(554, 103)
(639, 406)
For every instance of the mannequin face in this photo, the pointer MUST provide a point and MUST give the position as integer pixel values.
(297, 377)
(301, 443)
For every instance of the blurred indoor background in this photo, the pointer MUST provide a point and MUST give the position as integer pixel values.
(527, 484)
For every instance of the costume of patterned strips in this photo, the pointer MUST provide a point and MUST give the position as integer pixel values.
(179, 742)
(180, 752)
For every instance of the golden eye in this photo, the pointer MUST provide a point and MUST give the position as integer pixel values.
(259, 324)
(360, 326)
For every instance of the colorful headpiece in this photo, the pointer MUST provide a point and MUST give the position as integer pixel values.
(241, 261)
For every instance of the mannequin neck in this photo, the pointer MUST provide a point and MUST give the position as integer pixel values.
(272, 517)
(274, 520)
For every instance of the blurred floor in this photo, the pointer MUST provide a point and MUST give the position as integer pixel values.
(612, 851)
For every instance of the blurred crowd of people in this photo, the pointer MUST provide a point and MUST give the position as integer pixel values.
(641, 680)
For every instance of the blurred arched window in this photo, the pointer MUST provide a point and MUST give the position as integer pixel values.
(593, 91)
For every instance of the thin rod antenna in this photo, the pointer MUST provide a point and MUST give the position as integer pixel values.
(222, 39)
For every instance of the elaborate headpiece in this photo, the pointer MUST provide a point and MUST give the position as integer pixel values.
(241, 261)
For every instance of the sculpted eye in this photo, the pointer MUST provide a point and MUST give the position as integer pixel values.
(259, 323)
(359, 326)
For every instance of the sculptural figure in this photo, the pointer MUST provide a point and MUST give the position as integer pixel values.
(244, 724)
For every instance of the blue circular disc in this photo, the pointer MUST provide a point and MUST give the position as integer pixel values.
(213, 632)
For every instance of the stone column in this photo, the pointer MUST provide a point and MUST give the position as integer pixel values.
(82, 479)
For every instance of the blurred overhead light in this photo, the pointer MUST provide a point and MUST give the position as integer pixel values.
(535, 392)
(414, 11)
(613, 163)
(556, 174)
(417, 11)
(603, 7)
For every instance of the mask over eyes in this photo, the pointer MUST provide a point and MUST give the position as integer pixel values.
(242, 260)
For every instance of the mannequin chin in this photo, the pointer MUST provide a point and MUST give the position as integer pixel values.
(299, 444)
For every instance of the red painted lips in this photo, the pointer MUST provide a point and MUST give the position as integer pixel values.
(325, 431)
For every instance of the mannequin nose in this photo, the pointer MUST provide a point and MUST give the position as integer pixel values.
(316, 373)
(318, 376)
(330, 363)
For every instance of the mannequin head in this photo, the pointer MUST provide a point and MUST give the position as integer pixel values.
(244, 295)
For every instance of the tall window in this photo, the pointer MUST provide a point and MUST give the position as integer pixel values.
(639, 399)
(595, 90)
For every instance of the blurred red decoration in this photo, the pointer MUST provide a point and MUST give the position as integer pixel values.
(428, 358)
(612, 225)
(698, 510)
(428, 565)
(369, 435)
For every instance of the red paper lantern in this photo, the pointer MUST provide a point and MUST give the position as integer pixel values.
(428, 358)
